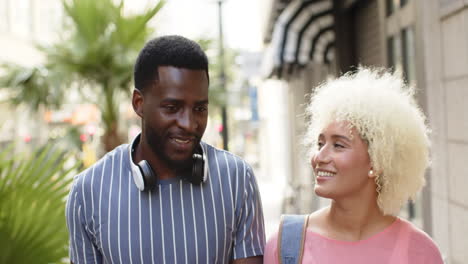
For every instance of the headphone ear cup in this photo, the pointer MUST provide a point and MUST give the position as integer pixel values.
(149, 177)
(197, 169)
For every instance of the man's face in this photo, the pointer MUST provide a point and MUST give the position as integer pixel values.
(175, 113)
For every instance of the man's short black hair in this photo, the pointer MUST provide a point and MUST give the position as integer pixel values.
(173, 50)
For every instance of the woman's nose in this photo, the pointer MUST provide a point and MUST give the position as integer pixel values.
(322, 155)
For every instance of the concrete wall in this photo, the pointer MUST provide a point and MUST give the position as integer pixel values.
(445, 37)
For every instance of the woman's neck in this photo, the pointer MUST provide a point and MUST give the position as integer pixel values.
(356, 220)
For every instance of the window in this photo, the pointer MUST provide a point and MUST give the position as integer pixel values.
(4, 16)
(408, 56)
(401, 54)
(394, 53)
(393, 5)
(49, 21)
(20, 14)
(391, 52)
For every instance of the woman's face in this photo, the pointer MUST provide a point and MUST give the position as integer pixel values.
(341, 163)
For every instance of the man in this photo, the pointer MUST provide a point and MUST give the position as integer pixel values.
(167, 197)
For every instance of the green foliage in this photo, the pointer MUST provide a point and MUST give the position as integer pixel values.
(100, 50)
(95, 55)
(101, 43)
(35, 86)
(33, 189)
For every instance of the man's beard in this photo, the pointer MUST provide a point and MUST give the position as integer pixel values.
(156, 141)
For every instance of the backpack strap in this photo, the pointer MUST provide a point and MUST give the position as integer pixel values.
(291, 238)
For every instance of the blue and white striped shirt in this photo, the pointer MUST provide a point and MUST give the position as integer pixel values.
(111, 221)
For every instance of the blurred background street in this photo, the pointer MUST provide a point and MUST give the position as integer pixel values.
(66, 82)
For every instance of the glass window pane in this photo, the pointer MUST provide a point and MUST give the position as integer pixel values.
(390, 55)
(392, 5)
(4, 17)
(408, 54)
(394, 53)
(20, 12)
(49, 21)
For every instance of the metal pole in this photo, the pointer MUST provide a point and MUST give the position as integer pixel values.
(222, 77)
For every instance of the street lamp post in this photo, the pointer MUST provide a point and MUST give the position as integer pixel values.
(222, 77)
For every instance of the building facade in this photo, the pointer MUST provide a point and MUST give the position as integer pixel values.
(23, 25)
(307, 41)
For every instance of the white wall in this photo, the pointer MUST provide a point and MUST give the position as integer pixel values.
(445, 38)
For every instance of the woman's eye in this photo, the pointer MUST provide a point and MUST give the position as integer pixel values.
(319, 145)
(336, 145)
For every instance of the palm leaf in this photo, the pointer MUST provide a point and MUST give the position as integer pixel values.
(97, 50)
(33, 189)
(35, 86)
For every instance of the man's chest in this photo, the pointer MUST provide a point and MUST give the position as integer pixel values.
(177, 226)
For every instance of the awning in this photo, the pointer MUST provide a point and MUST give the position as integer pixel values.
(302, 33)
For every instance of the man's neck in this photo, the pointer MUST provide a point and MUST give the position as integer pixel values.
(160, 168)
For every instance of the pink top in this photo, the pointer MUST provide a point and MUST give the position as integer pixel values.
(400, 243)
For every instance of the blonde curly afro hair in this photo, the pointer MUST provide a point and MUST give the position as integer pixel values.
(383, 110)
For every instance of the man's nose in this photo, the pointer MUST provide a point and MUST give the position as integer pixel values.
(187, 121)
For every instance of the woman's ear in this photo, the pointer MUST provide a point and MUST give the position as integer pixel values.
(373, 173)
(137, 102)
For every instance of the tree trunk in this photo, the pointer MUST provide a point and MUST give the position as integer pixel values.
(111, 138)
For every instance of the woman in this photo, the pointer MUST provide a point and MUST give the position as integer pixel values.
(370, 149)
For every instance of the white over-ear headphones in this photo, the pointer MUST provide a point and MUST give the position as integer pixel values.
(145, 178)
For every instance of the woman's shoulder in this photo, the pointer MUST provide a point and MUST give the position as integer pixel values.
(271, 249)
(420, 243)
(316, 221)
(416, 234)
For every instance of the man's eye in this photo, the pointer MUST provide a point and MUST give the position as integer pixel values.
(170, 107)
(201, 108)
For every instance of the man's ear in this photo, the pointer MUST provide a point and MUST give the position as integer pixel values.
(137, 102)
